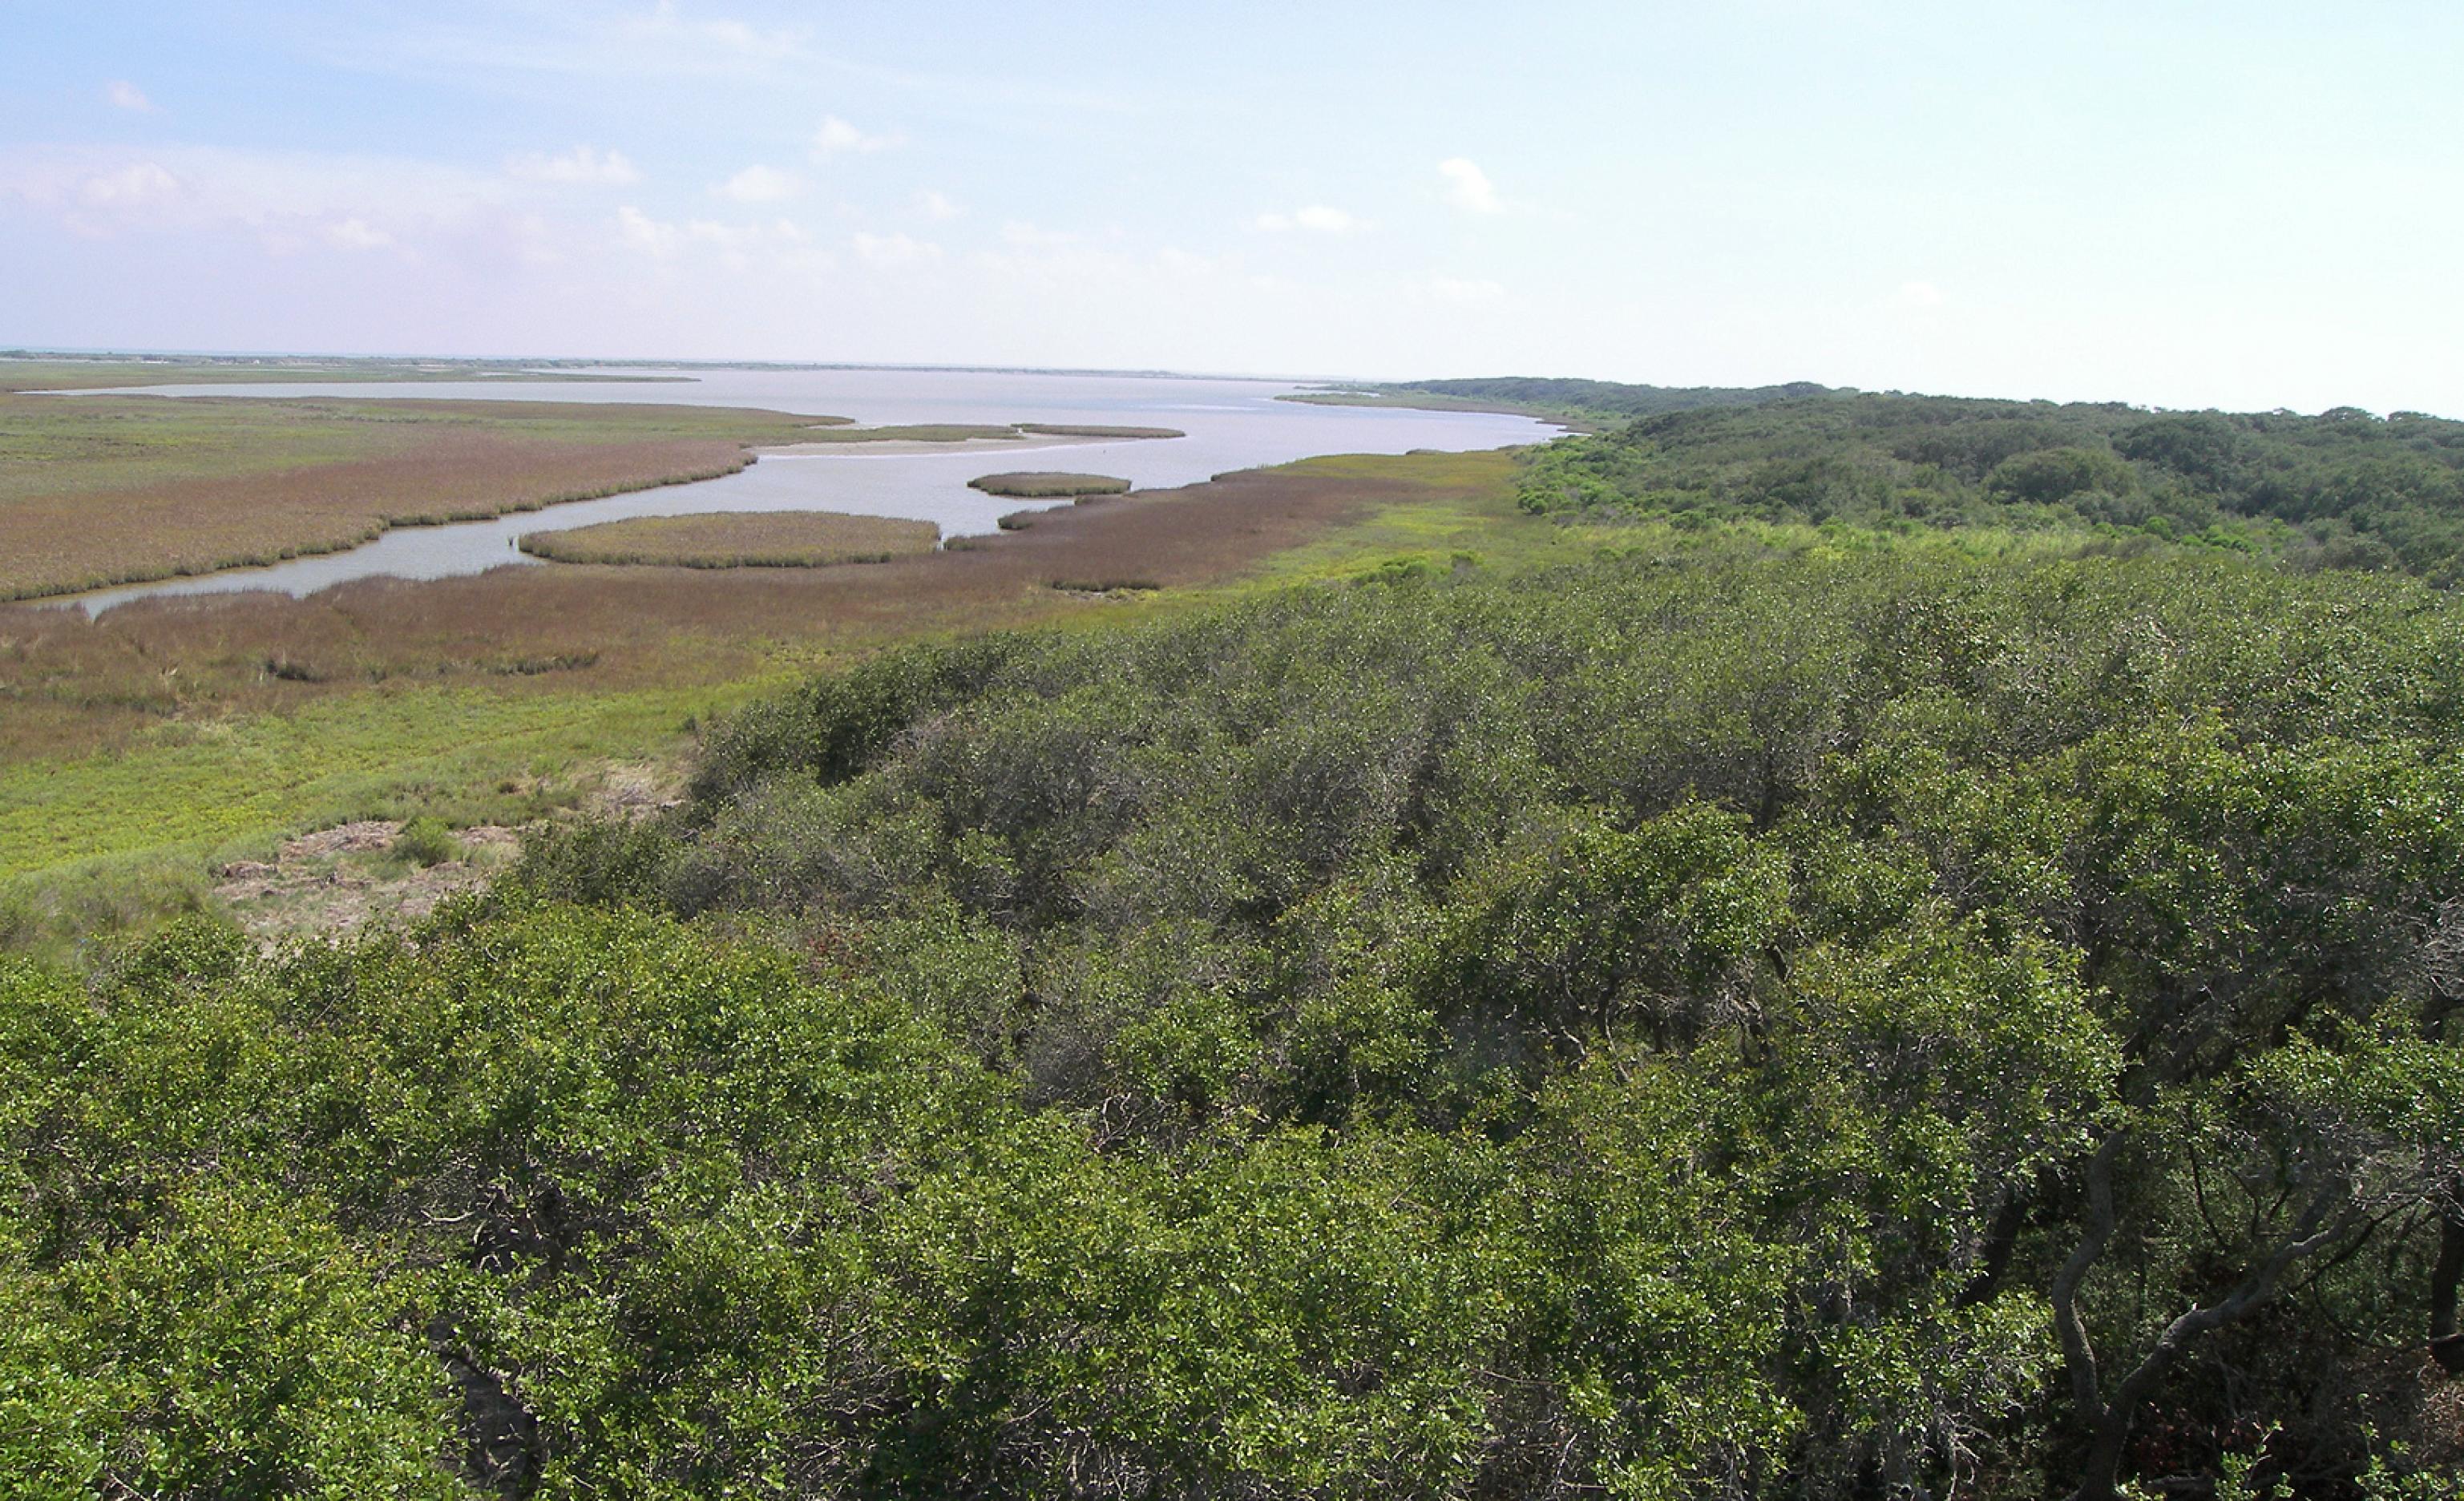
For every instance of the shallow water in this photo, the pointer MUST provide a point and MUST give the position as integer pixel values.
(1232, 425)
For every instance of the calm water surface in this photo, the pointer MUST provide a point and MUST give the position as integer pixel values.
(1232, 425)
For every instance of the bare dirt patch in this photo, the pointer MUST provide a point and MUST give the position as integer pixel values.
(337, 880)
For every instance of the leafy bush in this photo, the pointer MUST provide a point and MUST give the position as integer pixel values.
(424, 840)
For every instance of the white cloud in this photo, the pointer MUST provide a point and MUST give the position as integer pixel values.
(1464, 291)
(357, 235)
(660, 239)
(935, 205)
(781, 245)
(128, 96)
(1919, 294)
(285, 203)
(135, 185)
(895, 249)
(581, 165)
(761, 185)
(1317, 218)
(836, 136)
(1468, 188)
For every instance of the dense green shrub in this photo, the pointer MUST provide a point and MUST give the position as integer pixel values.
(1705, 1023)
(2275, 482)
(1954, 897)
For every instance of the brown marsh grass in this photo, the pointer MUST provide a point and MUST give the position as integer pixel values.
(1096, 431)
(1050, 485)
(70, 686)
(738, 539)
(97, 491)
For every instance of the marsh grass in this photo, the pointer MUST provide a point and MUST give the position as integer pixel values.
(1096, 431)
(160, 738)
(913, 432)
(107, 490)
(1049, 485)
(1105, 586)
(739, 539)
(58, 372)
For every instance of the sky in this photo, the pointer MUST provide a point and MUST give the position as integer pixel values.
(2170, 203)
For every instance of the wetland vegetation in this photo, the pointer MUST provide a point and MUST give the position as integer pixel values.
(106, 489)
(1050, 485)
(739, 539)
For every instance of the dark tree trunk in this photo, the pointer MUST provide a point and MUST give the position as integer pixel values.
(2446, 1344)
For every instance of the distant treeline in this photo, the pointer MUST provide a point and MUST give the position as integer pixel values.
(1605, 397)
(2344, 487)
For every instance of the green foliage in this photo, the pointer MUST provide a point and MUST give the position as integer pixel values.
(2339, 489)
(424, 841)
(1703, 1023)
(1610, 399)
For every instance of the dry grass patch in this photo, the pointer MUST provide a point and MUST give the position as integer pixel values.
(739, 539)
(1050, 485)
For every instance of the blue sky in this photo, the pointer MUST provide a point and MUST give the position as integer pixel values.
(2249, 204)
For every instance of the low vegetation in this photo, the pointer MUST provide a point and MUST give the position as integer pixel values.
(961, 432)
(1092, 430)
(914, 432)
(1582, 403)
(22, 370)
(1050, 485)
(140, 747)
(105, 489)
(739, 539)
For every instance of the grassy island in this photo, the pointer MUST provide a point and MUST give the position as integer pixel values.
(1050, 485)
(913, 432)
(1080, 430)
(739, 539)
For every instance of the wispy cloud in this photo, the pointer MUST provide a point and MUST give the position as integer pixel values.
(286, 200)
(837, 137)
(356, 234)
(581, 165)
(895, 249)
(782, 243)
(1920, 294)
(130, 96)
(134, 187)
(1468, 188)
(935, 205)
(1317, 219)
(761, 185)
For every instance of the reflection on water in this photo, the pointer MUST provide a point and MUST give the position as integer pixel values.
(1231, 425)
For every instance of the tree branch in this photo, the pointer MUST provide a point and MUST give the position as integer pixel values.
(2079, 1354)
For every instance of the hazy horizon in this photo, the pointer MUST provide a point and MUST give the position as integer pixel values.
(1893, 197)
